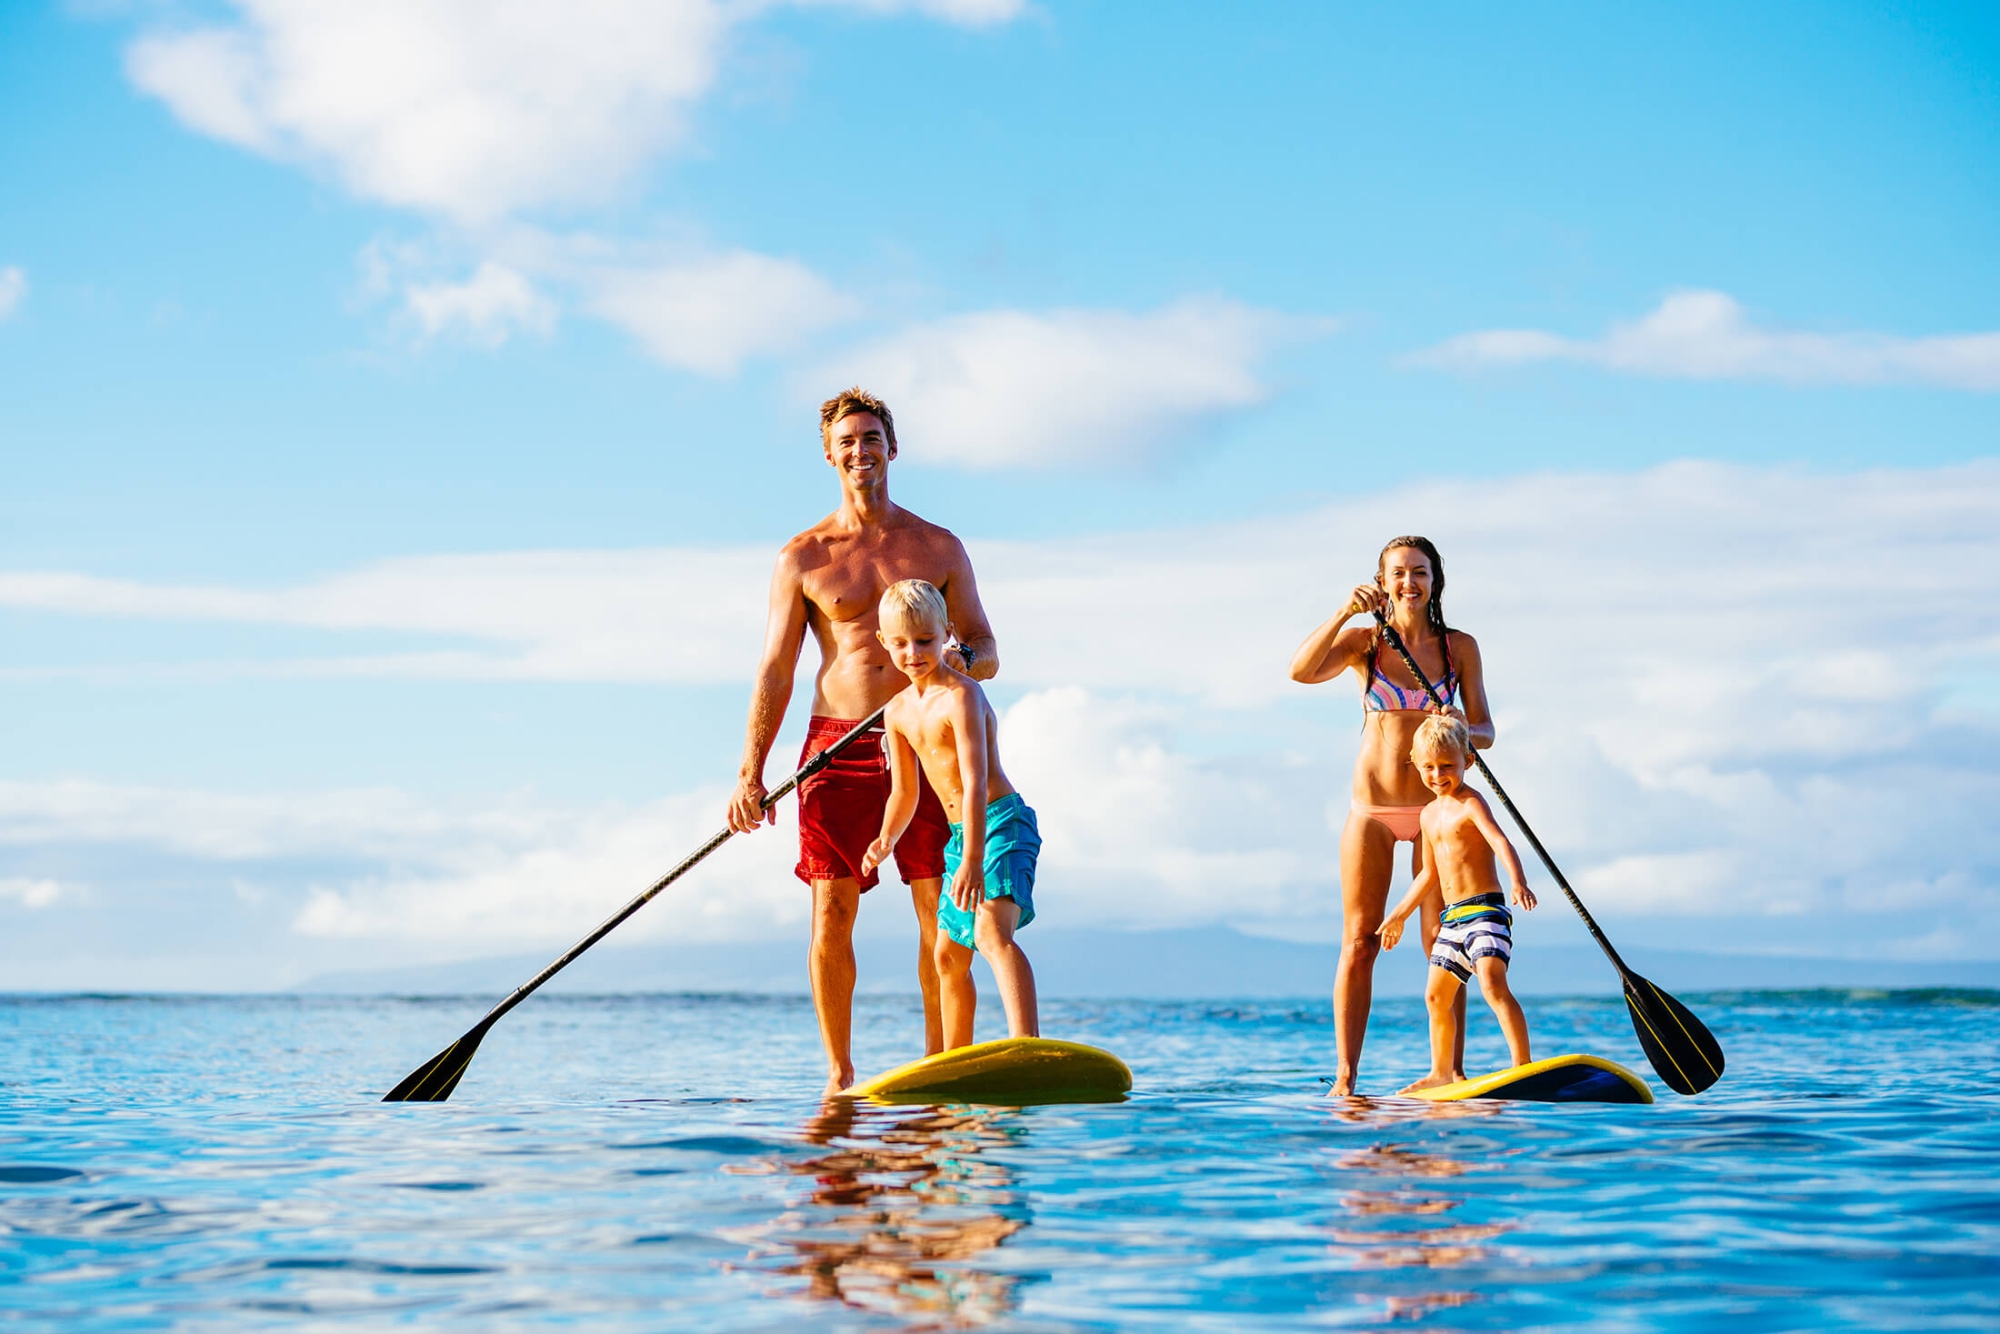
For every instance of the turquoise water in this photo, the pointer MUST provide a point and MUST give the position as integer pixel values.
(650, 1163)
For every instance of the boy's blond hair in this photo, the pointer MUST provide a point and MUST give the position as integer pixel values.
(913, 602)
(1441, 732)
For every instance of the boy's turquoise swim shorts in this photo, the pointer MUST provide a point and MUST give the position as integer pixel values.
(1013, 842)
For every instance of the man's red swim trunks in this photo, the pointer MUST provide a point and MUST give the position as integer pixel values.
(840, 812)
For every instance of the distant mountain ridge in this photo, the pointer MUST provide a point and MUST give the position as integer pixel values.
(1140, 965)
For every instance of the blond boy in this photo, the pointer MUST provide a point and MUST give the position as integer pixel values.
(1461, 841)
(943, 722)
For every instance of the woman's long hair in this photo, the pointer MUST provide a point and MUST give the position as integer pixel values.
(1434, 611)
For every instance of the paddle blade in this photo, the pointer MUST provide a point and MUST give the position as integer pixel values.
(1679, 1045)
(434, 1080)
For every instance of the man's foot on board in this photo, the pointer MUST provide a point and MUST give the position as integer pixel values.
(1342, 1086)
(839, 1082)
(1432, 1081)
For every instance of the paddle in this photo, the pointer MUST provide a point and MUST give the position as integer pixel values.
(434, 1080)
(1679, 1045)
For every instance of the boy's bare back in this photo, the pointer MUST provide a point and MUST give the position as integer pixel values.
(932, 723)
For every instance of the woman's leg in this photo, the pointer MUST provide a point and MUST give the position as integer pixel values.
(1367, 858)
(957, 1000)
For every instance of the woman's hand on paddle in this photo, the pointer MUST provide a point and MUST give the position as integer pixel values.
(968, 887)
(1366, 600)
(878, 852)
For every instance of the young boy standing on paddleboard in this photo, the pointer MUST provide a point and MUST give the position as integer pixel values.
(1461, 841)
(943, 723)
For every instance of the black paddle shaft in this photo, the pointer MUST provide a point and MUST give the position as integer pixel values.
(1590, 923)
(436, 1078)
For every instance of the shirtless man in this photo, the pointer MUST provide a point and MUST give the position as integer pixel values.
(829, 580)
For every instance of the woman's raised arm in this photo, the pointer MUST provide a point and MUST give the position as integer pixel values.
(1324, 656)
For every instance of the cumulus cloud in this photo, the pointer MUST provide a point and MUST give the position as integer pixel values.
(711, 314)
(13, 288)
(1708, 336)
(1739, 698)
(488, 308)
(1138, 830)
(462, 108)
(1109, 386)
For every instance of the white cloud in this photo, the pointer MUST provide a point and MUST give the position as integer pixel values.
(13, 288)
(464, 108)
(30, 893)
(579, 616)
(488, 308)
(711, 314)
(1107, 386)
(1708, 336)
(583, 865)
(1730, 697)
(449, 106)
(686, 304)
(1136, 830)
(491, 874)
(378, 824)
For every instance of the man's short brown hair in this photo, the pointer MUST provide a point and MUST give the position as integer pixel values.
(848, 402)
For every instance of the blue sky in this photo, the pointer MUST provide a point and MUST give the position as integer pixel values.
(1148, 278)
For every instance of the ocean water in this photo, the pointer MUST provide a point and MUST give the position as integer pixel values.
(659, 1163)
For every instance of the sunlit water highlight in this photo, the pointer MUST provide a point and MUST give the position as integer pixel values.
(655, 1162)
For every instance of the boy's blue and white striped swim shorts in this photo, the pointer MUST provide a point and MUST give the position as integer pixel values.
(1480, 927)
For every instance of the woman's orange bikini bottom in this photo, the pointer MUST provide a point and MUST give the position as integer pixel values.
(1401, 821)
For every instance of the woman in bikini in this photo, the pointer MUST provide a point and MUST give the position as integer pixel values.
(1388, 794)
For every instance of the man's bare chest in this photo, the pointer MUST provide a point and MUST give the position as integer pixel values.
(849, 589)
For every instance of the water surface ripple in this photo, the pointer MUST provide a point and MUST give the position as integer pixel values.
(653, 1162)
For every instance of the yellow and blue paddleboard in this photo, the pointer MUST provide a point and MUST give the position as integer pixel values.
(1013, 1072)
(1558, 1079)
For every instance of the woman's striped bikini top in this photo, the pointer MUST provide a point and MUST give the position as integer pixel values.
(1381, 695)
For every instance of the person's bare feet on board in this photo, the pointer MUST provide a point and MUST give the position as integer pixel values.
(839, 1082)
(1433, 1080)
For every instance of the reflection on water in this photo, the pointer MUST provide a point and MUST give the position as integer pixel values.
(901, 1199)
(1408, 1189)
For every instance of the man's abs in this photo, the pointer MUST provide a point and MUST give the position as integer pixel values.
(855, 676)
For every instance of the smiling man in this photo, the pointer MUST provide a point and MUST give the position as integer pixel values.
(829, 579)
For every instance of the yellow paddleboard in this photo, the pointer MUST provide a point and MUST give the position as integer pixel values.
(1558, 1079)
(1013, 1072)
